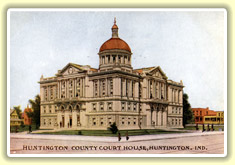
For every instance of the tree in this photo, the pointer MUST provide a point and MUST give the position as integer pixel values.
(187, 111)
(113, 128)
(35, 104)
(18, 111)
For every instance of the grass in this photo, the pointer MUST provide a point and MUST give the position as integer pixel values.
(216, 127)
(23, 128)
(109, 133)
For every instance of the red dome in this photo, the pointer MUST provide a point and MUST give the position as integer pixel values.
(115, 43)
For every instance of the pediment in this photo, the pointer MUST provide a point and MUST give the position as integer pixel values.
(71, 69)
(157, 72)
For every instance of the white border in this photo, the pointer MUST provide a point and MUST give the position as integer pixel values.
(120, 10)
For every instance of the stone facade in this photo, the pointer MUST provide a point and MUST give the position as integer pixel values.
(82, 97)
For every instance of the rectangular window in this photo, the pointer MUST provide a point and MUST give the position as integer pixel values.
(96, 88)
(110, 106)
(134, 107)
(94, 107)
(94, 121)
(103, 87)
(123, 106)
(78, 88)
(102, 106)
(51, 93)
(45, 90)
(128, 106)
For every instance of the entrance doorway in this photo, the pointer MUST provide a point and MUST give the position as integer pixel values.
(70, 121)
(62, 121)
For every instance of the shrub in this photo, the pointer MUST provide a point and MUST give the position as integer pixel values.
(113, 128)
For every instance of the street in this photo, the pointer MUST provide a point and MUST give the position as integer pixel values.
(189, 143)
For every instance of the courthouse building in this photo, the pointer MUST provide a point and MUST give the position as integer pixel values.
(81, 97)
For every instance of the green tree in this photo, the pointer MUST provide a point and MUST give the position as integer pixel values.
(113, 128)
(35, 104)
(18, 111)
(187, 110)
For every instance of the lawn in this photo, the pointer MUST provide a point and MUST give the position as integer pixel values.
(216, 127)
(109, 133)
(23, 128)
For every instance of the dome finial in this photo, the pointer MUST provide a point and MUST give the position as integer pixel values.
(115, 29)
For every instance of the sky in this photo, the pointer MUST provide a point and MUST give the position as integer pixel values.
(187, 45)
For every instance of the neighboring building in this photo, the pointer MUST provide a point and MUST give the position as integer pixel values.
(206, 116)
(82, 97)
(217, 119)
(15, 121)
(26, 119)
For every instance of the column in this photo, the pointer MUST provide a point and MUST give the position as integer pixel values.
(157, 109)
(154, 116)
(165, 117)
(160, 90)
(159, 117)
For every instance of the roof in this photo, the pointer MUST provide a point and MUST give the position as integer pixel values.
(140, 70)
(115, 43)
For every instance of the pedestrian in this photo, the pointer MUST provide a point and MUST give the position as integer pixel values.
(208, 127)
(127, 137)
(119, 136)
(203, 128)
(30, 128)
(212, 127)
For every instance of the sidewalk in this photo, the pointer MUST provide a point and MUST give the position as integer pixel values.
(113, 139)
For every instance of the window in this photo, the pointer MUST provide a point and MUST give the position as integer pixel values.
(94, 107)
(134, 121)
(110, 86)
(102, 106)
(70, 88)
(173, 110)
(103, 87)
(114, 59)
(129, 106)
(51, 93)
(176, 122)
(140, 107)
(172, 122)
(140, 90)
(176, 110)
(50, 109)
(94, 121)
(45, 89)
(101, 121)
(110, 120)
(78, 92)
(44, 108)
(110, 106)
(151, 89)
(63, 90)
(134, 107)
(96, 88)
(123, 106)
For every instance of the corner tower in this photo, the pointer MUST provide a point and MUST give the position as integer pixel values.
(115, 53)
